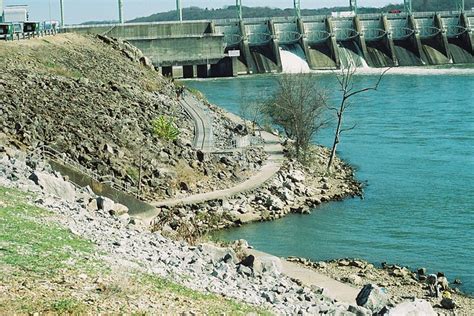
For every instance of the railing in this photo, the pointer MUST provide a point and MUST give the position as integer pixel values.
(288, 37)
(402, 33)
(44, 151)
(344, 34)
(259, 38)
(455, 30)
(232, 39)
(428, 31)
(374, 34)
(317, 36)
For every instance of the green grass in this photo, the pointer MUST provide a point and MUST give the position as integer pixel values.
(37, 251)
(36, 247)
(216, 304)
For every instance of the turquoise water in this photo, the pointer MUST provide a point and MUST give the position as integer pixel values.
(414, 145)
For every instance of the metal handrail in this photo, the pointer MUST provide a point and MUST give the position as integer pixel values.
(344, 33)
(259, 38)
(317, 36)
(289, 37)
(455, 30)
(62, 157)
(374, 34)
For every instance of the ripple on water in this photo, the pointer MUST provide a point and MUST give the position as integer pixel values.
(414, 144)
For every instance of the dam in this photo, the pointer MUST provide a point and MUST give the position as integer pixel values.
(232, 47)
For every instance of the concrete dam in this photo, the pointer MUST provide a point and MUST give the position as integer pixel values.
(250, 46)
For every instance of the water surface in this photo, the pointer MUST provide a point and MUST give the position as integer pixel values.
(414, 145)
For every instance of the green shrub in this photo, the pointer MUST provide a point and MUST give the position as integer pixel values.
(164, 128)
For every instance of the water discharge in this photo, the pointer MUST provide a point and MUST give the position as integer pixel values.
(293, 59)
(414, 145)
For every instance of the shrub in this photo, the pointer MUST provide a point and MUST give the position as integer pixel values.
(164, 128)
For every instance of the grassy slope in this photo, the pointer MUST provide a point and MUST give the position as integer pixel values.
(44, 268)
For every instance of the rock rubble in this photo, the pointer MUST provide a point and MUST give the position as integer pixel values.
(204, 267)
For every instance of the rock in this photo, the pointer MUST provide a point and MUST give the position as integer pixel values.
(359, 310)
(275, 203)
(268, 264)
(54, 186)
(118, 210)
(218, 254)
(247, 261)
(457, 281)
(447, 303)
(354, 279)
(145, 61)
(372, 297)
(422, 271)
(296, 176)
(243, 270)
(105, 204)
(415, 308)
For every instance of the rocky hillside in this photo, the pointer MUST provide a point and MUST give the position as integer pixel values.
(94, 100)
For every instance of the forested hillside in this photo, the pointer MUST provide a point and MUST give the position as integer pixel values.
(195, 13)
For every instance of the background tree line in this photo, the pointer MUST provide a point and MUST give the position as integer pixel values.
(195, 13)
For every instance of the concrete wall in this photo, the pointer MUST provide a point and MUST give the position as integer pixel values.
(382, 40)
(134, 205)
(191, 50)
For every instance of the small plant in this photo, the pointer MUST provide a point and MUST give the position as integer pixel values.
(164, 128)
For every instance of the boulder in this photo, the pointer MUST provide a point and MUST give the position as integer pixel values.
(296, 176)
(118, 210)
(218, 254)
(372, 297)
(275, 203)
(54, 186)
(268, 264)
(415, 308)
(105, 204)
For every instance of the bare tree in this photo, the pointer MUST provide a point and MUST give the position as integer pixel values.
(297, 107)
(251, 109)
(346, 82)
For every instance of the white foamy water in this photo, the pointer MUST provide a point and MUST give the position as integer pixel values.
(292, 63)
(415, 71)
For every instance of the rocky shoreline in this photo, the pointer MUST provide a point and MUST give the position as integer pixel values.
(90, 113)
(400, 282)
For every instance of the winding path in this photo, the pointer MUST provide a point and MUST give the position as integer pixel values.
(203, 140)
(203, 135)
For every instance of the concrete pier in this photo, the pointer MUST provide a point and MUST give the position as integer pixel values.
(249, 46)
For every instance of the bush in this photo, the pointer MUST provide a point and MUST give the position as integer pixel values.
(164, 128)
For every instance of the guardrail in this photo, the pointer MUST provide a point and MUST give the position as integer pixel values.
(45, 152)
(26, 30)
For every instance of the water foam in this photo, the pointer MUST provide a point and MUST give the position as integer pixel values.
(291, 62)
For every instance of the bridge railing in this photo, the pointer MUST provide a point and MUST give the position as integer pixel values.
(317, 36)
(256, 38)
(372, 34)
(343, 34)
(288, 37)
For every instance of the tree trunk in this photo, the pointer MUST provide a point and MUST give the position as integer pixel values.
(336, 140)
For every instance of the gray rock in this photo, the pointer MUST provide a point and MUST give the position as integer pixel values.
(372, 297)
(218, 254)
(415, 308)
(54, 186)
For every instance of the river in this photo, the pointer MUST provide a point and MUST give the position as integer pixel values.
(414, 145)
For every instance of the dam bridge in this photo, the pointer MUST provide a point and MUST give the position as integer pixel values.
(231, 47)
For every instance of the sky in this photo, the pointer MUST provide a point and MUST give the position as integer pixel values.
(77, 11)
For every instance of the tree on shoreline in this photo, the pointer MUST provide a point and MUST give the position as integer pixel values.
(346, 83)
(297, 107)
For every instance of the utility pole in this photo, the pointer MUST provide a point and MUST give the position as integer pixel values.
(180, 10)
(460, 5)
(61, 7)
(120, 8)
(408, 6)
(238, 5)
(297, 4)
(353, 5)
